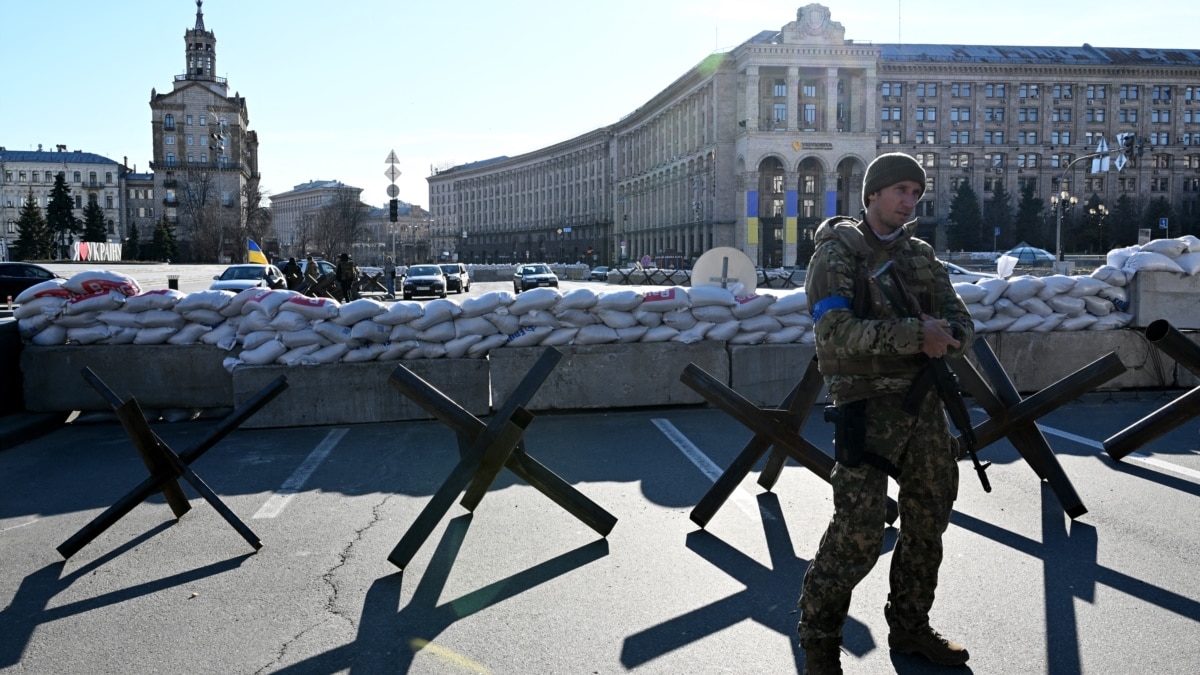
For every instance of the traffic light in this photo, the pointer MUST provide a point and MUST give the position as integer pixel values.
(393, 210)
(1141, 145)
(1126, 143)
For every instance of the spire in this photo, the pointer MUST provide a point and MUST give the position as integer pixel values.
(199, 15)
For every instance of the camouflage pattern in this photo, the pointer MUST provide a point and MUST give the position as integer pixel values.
(887, 338)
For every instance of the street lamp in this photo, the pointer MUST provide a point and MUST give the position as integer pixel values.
(1061, 202)
(1099, 213)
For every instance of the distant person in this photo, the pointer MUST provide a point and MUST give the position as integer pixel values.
(312, 272)
(389, 276)
(347, 275)
(292, 273)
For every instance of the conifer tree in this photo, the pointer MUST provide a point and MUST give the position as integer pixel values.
(94, 228)
(60, 216)
(34, 239)
(967, 220)
(132, 250)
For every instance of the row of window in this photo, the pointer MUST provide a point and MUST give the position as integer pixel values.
(169, 120)
(44, 200)
(202, 158)
(963, 137)
(1096, 92)
(48, 176)
(962, 160)
(996, 114)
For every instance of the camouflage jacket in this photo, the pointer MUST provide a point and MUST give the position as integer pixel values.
(870, 344)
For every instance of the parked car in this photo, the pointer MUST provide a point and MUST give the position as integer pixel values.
(532, 276)
(965, 275)
(323, 265)
(17, 276)
(457, 279)
(424, 280)
(598, 273)
(248, 275)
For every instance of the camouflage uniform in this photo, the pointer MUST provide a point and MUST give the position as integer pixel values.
(875, 357)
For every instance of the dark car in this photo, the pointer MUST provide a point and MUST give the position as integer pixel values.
(424, 280)
(17, 276)
(598, 273)
(457, 279)
(532, 276)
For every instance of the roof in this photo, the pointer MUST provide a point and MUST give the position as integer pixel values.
(1085, 55)
(53, 157)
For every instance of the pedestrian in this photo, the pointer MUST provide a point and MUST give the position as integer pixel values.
(389, 276)
(864, 282)
(292, 273)
(347, 275)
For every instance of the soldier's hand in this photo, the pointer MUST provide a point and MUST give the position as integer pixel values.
(937, 336)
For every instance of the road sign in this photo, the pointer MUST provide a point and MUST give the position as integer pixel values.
(392, 158)
(392, 173)
(1162, 223)
(393, 191)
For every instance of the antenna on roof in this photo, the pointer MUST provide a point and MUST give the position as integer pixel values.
(899, 23)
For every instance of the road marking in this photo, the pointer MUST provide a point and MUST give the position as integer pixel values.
(276, 503)
(1137, 456)
(708, 467)
(28, 522)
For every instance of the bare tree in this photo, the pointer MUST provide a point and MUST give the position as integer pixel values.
(340, 223)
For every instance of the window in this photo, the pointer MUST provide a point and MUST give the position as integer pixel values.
(33, 177)
(108, 201)
(1191, 184)
(990, 183)
(1128, 115)
(1092, 137)
(993, 114)
(892, 89)
(1093, 184)
(960, 160)
(808, 89)
(960, 89)
(1060, 115)
(994, 159)
(927, 208)
(204, 158)
(8, 176)
(190, 139)
(1094, 115)
(49, 177)
(1061, 161)
(1160, 138)
(1190, 117)
(1127, 184)
(962, 114)
(225, 198)
(1062, 90)
(892, 114)
(1160, 184)
(1027, 138)
(1160, 116)
(993, 91)
(108, 177)
(169, 122)
(927, 159)
(21, 176)
(170, 159)
(1161, 161)
(927, 89)
(203, 120)
(926, 114)
(960, 137)
(993, 138)
(1028, 90)
(780, 89)
(780, 113)
(1129, 92)
(79, 201)
(1027, 114)
(78, 176)
(810, 114)
(890, 137)
(191, 158)
(1060, 138)
(1025, 161)
(1187, 139)
(1161, 93)
(1097, 91)
(927, 137)
(169, 140)
(1192, 161)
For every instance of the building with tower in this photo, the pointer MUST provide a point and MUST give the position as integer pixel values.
(205, 155)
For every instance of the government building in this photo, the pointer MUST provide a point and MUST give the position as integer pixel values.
(752, 148)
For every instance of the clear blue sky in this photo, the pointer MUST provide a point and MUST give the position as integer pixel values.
(332, 87)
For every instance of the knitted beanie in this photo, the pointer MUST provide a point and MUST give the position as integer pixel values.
(889, 169)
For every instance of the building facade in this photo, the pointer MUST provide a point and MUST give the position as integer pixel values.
(752, 148)
(295, 214)
(205, 155)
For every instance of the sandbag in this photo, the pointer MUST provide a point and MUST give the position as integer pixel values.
(680, 320)
(713, 313)
(786, 335)
(1172, 248)
(94, 302)
(595, 334)
(153, 336)
(994, 289)
(980, 312)
(630, 333)
(1149, 261)
(1023, 288)
(214, 300)
(621, 301)
(164, 298)
(403, 311)
(648, 319)
(1065, 304)
(369, 331)
(744, 338)
(695, 333)
(722, 332)
(998, 323)
(1081, 322)
(457, 348)
(659, 334)
(1025, 323)
(482, 304)
(1097, 305)
(312, 309)
(528, 337)
(363, 353)
(51, 288)
(301, 338)
(442, 332)
(751, 305)
(208, 317)
(575, 318)
(800, 319)
(258, 337)
(559, 337)
(617, 319)
(1009, 308)
(487, 344)
(789, 302)
(762, 322)
(702, 296)
(668, 300)
(296, 355)
(970, 293)
(157, 318)
(473, 325)
(1118, 256)
(538, 318)
(327, 354)
(577, 298)
(543, 297)
(1036, 306)
(1049, 323)
(102, 281)
(426, 350)
(506, 324)
(1056, 284)
(88, 334)
(436, 311)
(1114, 276)
(1086, 286)
(362, 309)
(1189, 262)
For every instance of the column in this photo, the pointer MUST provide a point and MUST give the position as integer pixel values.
(831, 99)
(793, 98)
(753, 116)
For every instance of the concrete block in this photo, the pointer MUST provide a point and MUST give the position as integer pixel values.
(358, 393)
(609, 375)
(12, 399)
(159, 376)
(1165, 295)
(765, 374)
(1035, 361)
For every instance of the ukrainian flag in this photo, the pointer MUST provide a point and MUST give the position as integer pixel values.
(254, 254)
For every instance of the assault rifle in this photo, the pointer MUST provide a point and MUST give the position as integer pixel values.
(937, 373)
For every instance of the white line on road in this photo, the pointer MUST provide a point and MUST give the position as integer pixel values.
(707, 467)
(1145, 459)
(275, 504)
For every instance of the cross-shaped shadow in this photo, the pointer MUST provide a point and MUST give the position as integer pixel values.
(389, 639)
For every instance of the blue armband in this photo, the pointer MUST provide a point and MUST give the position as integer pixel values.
(832, 302)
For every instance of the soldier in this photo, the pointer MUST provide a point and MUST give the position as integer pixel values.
(883, 305)
(347, 276)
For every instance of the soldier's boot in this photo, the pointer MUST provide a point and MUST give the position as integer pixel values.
(928, 643)
(822, 657)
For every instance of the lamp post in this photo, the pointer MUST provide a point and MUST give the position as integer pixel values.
(1061, 202)
(1099, 213)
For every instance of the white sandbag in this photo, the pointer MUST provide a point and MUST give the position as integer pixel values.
(799, 319)
(744, 338)
(208, 317)
(786, 335)
(457, 348)
(1172, 248)
(763, 322)
(629, 334)
(1148, 261)
(296, 355)
(154, 336)
(1118, 296)
(94, 302)
(115, 317)
(403, 331)
(1065, 304)
(88, 335)
(970, 293)
(980, 327)
(722, 332)
(1009, 308)
(751, 305)
(1036, 306)
(1049, 323)
(681, 320)
(618, 319)
(50, 288)
(528, 337)
(189, 334)
(666, 300)
(224, 331)
(538, 317)
(506, 324)
(622, 301)
(713, 313)
(488, 302)
(258, 337)
(83, 320)
(230, 363)
(313, 309)
(50, 335)
(1086, 286)
(1189, 262)
(659, 334)
(1112, 321)
(577, 298)
(487, 344)
(693, 334)
(102, 281)
(558, 337)
(436, 311)
(1025, 323)
(163, 298)
(363, 353)
(702, 296)
(359, 310)
(369, 331)
(442, 332)
(648, 319)
(994, 289)
(981, 312)
(595, 334)
(158, 318)
(254, 321)
(1023, 288)
(267, 301)
(214, 300)
(1056, 284)
(1113, 276)
(998, 323)
(302, 338)
(401, 312)
(473, 325)
(789, 302)
(1097, 305)
(334, 332)
(543, 297)
(394, 351)
(1117, 257)
(575, 318)
(120, 335)
(1192, 241)
(1081, 322)
(426, 350)
(50, 306)
(327, 354)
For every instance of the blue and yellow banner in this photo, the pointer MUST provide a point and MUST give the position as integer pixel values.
(254, 254)
(752, 216)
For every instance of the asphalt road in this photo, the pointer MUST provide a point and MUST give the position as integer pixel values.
(520, 586)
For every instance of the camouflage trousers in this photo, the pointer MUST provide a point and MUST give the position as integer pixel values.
(921, 448)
